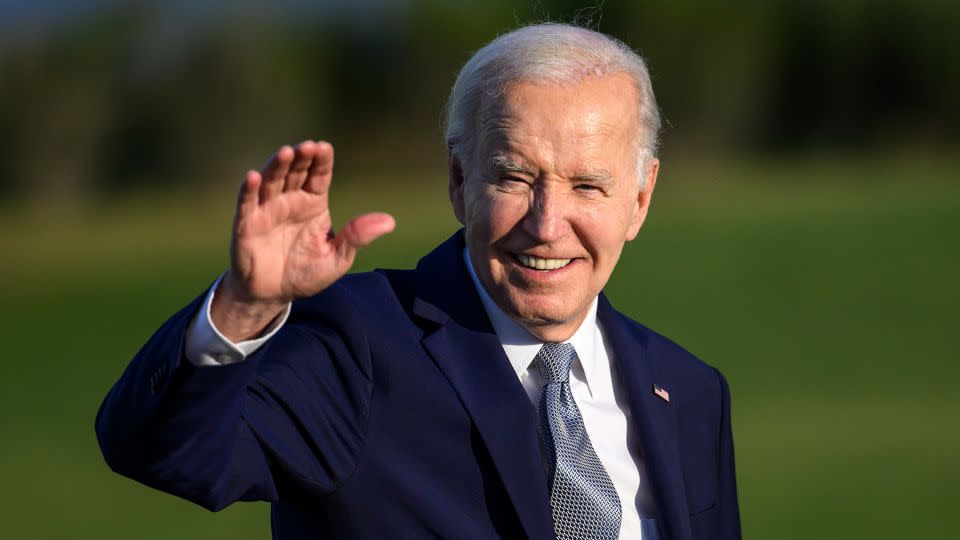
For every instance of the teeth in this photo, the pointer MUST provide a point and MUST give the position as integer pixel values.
(541, 263)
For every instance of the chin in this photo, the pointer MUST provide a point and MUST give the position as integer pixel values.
(539, 315)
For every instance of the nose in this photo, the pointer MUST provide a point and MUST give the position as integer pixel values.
(547, 219)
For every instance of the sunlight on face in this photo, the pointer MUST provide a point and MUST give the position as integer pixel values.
(551, 196)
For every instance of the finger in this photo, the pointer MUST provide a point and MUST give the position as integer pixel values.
(321, 173)
(275, 172)
(249, 196)
(361, 231)
(304, 154)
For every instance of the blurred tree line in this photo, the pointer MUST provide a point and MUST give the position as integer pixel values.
(141, 96)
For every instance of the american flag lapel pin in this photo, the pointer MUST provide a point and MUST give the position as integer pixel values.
(661, 392)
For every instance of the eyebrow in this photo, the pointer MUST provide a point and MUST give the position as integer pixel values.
(600, 176)
(505, 164)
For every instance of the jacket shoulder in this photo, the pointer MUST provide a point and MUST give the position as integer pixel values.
(366, 306)
(365, 290)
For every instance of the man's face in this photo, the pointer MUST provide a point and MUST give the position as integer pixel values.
(550, 197)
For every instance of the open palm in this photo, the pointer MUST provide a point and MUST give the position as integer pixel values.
(283, 245)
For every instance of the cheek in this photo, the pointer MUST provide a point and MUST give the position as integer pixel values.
(603, 230)
(507, 209)
(498, 213)
(476, 207)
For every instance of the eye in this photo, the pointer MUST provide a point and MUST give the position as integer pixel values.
(513, 182)
(587, 188)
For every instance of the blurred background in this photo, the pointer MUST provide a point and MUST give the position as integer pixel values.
(803, 236)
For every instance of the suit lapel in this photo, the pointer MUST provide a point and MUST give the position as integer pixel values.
(464, 346)
(654, 418)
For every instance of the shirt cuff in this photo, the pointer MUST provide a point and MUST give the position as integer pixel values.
(206, 346)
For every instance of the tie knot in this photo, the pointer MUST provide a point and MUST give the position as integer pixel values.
(554, 361)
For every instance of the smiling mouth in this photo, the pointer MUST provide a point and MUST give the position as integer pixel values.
(539, 263)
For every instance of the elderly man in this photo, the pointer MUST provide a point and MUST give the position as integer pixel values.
(492, 392)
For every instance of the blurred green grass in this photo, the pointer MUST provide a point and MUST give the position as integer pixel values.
(825, 290)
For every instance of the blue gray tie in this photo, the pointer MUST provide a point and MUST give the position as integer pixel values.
(584, 501)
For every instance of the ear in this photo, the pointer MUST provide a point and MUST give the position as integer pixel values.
(643, 200)
(455, 185)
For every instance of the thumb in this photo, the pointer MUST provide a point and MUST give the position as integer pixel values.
(362, 230)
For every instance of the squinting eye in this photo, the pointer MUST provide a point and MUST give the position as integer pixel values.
(512, 180)
(587, 187)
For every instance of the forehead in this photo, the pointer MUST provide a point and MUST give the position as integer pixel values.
(592, 116)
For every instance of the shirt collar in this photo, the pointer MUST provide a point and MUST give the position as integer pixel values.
(522, 347)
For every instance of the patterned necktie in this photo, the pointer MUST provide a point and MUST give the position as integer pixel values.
(584, 501)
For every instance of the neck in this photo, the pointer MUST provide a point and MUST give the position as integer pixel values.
(553, 332)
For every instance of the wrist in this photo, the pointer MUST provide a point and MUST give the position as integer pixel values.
(238, 315)
(234, 290)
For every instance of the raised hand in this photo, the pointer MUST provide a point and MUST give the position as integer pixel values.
(283, 245)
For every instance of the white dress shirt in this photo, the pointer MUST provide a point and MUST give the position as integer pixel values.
(594, 383)
(206, 346)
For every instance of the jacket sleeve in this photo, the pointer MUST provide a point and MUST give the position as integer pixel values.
(729, 508)
(290, 418)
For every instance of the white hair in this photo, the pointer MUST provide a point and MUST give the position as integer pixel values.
(548, 53)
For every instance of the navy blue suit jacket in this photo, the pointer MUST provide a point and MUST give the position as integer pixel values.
(386, 408)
